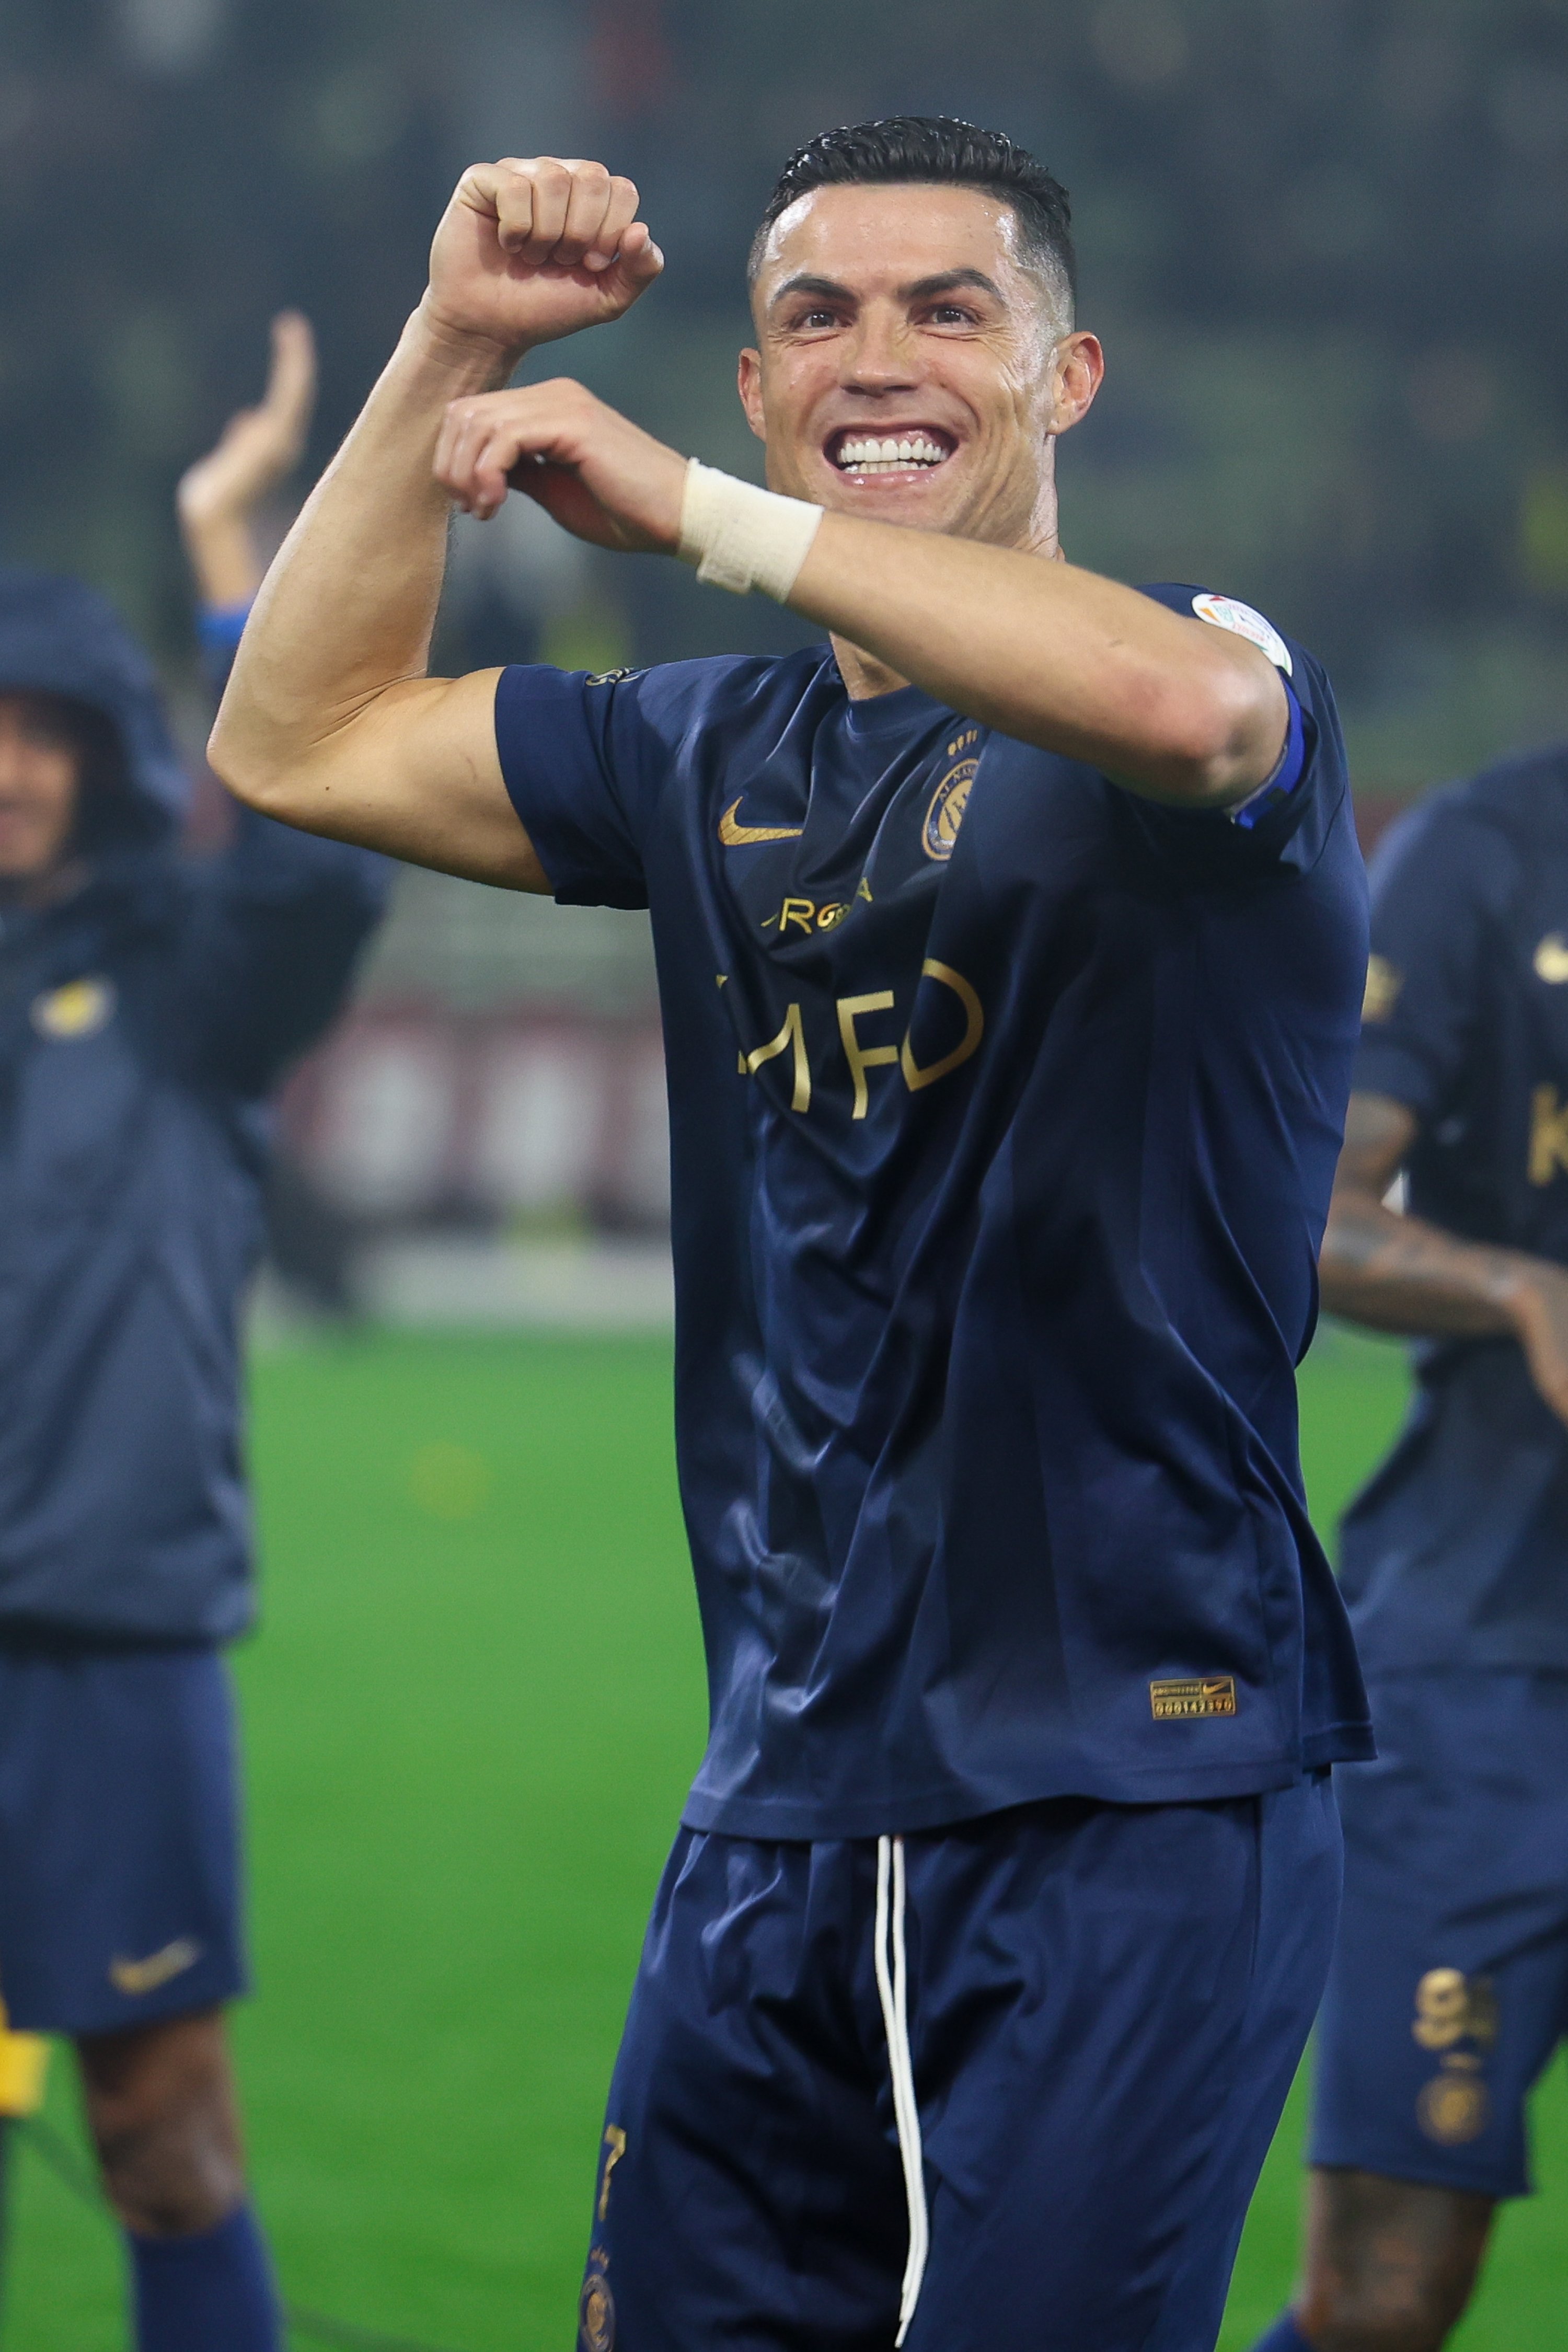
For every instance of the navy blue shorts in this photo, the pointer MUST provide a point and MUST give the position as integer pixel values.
(1449, 1989)
(1105, 2006)
(119, 1842)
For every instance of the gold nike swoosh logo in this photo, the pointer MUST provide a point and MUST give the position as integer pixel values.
(735, 836)
(136, 1977)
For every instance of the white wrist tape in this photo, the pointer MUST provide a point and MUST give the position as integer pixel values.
(741, 537)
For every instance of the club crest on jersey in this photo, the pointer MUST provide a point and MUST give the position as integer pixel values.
(80, 1009)
(1229, 613)
(945, 813)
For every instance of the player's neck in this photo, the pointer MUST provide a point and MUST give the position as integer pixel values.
(863, 675)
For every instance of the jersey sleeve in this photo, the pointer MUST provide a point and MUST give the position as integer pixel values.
(1286, 822)
(1434, 880)
(577, 764)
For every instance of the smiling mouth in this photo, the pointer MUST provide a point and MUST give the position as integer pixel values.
(915, 452)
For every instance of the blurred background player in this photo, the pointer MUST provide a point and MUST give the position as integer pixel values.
(1449, 1986)
(1005, 1100)
(151, 1004)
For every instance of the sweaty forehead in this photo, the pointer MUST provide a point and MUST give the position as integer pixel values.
(871, 237)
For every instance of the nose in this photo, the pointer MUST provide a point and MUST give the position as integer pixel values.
(881, 355)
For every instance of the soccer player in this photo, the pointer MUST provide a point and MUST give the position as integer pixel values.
(150, 1005)
(1449, 1986)
(1010, 947)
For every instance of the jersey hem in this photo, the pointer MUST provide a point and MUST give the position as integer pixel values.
(788, 1820)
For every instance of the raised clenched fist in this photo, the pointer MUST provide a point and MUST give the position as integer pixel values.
(530, 249)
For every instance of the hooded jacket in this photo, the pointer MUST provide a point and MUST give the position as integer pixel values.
(145, 1017)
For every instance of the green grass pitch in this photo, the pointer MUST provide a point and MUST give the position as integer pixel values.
(469, 1723)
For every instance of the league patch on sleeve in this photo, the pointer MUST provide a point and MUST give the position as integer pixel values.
(1227, 613)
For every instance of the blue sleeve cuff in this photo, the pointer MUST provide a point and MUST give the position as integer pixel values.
(1287, 775)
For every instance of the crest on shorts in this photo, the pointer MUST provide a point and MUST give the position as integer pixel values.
(80, 1009)
(596, 2308)
(1452, 2008)
(1453, 2108)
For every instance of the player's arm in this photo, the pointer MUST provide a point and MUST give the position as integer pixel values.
(329, 720)
(1172, 708)
(1400, 1273)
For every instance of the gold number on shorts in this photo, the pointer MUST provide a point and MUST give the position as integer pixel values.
(1451, 2007)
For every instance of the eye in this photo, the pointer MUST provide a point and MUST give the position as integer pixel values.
(814, 320)
(952, 314)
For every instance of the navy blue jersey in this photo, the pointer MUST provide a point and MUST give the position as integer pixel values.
(1457, 1552)
(1005, 1111)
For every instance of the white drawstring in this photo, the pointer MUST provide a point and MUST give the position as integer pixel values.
(892, 1986)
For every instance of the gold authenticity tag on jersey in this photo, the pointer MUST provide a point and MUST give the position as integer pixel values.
(1178, 1702)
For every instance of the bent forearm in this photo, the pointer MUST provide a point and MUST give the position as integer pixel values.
(1054, 656)
(348, 607)
(1400, 1273)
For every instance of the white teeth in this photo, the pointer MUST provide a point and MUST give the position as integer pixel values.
(869, 455)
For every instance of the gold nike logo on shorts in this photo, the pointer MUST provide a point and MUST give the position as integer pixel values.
(145, 1976)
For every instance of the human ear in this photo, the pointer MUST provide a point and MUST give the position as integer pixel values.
(1077, 371)
(749, 382)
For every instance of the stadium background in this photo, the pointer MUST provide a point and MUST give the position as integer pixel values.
(1321, 237)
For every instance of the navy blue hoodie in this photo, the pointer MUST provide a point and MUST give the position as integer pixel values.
(145, 1017)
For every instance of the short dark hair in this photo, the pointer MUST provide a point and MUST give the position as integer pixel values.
(937, 147)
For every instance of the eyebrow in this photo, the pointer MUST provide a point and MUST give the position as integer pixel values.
(945, 281)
